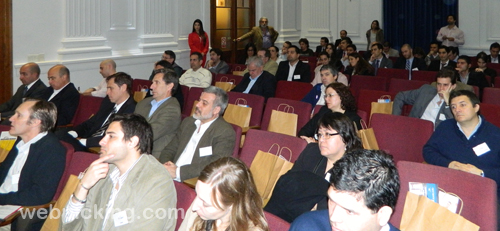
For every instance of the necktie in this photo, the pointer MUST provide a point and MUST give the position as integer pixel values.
(105, 125)
(408, 66)
(25, 90)
(376, 66)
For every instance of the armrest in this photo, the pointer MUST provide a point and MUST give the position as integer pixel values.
(27, 210)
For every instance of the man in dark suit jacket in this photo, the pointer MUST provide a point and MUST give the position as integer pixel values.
(92, 130)
(343, 34)
(470, 78)
(443, 61)
(322, 47)
(62, 93)
(31, 171)
(262, 82)
(416, 63)
(201, 139)
(494, 49)
(377, 60)
(32, 88)
(302, 71)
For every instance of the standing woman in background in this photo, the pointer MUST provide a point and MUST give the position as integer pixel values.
(198, 40)
(374, 34)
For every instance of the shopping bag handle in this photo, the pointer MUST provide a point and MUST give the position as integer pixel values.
(277, 151)
(286, 109)
(237, 102)
(460, 199)
(289, 151)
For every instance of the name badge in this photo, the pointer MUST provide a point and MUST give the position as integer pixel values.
(15, 178)
(442, 117)
(296, 76)
(206, 151)
(481, 149)
(120, 218)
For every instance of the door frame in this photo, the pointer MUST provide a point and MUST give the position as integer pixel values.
(6, 50)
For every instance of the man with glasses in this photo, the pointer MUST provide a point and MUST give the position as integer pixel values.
(263, 36)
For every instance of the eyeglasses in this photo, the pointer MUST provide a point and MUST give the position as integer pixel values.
(327, 136)
(329, 95)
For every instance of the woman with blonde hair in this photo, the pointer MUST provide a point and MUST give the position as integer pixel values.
(227, 199)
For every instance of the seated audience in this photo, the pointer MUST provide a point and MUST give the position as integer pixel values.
(468, 77)
(169, 56)
(343, 34)
(275, 54)
(358, 66)
(162, 64)
(227, 199)
(468, 142)
(30, 173)
(454, 53)
(408, 61)
(338, 98)
(250, 51)
(351, 48)
(106, 68)
(257, 81)
(482, 60)
(119, 100)
(197, 76)
(324, 59)
(443, 60)
(125, 179)
(377, 60)
(328, 75)
(303, 187)
(215, 64)
(389, 51)
(201, 138)
(429, 102)
(433, 53)
(62, 93)
(364, 188)
(269, 65)
(293, 69)
(304, 48)
(322, 45)
(342, 48)
(494, 50)
(32, 87)
(284, 52)
(162, 111)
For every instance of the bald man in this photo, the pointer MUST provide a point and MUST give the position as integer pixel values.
(32, 87)
(62, 93)
(106, 68)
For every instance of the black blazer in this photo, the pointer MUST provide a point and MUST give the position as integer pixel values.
(264, 86)
(40, 175)
(477, 79)
(301, 69)
(435, 65)
(319, 49)
(417, 63)
(66, 102)
(8, 108)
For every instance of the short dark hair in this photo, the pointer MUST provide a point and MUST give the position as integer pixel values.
(471, 95)
(44, 111)
(447, 49)
(275, 47)
(217, 51)
(289, 43)
(170, 53)
(447, 73)
(494, 45)
(294, 47)
(325, 39)
(122, 78)
(169, 76)
(371, 174)
(386, 44)
(454, 50)
(347, 39)
(324, 53)
(304, 40)
(434, 42)
(267, 52)
(482, 55)
(378, 45)
(136, 125)
(465, 58)
(164, 64)
(451, 15)
(352, 46)
(198, 54)
(344, 126)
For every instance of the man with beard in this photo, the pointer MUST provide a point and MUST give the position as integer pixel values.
(450, 35)
(263, 36)
(201, 138)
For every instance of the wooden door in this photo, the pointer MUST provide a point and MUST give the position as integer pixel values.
(5, 50)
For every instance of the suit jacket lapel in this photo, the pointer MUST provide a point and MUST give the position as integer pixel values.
(190, 128)
(163, 105)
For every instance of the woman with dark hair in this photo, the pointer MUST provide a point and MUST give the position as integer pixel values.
(226, 200)
(275, 53)
(358, 66)
(482, 60)
(198, 40)
(338, 98)
(304, 48)
(303, 188)
(250, 51)
(374, 34)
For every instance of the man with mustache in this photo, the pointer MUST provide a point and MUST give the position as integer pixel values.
(263, 36)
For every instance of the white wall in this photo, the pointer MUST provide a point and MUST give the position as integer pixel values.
(81, 33)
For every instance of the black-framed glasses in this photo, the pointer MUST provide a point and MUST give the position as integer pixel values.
(327, 136)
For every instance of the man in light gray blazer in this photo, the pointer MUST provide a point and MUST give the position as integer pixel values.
(162, 110)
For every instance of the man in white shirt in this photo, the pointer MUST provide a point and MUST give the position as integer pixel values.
(197, 76)
(126, 188)
(106, 68)
(450, 35)
(201, 138)
(31, 171)
(377, 60)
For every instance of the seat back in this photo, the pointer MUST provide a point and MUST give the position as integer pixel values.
(88, 106)
(238, 67)
(491, 95)
(302, 109)
(185, 196)
(236, 79)
(359, 82)
(393, 73)
(4, 128)
(292, 90)
(237, 141)
(256, 140)
(479, 194)
(185, 93)
(275, 223)
(79, 162)
(139, 84)
(427, 76)
(193, 95)
(491, 113)
(397, 85)
(401, 136)
(256, 102)
(366, 97)
(316, 109)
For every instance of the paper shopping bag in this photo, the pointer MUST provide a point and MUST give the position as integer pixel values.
(283, 120)
(421, 213)
(6, 144)
(238, 115)
(266, 169)
(226, 86)
(382, 106)
(140, 95)
(367, 136)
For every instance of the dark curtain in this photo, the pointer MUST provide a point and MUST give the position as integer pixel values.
(416, 22)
